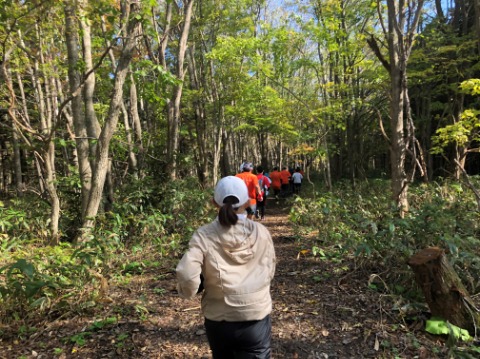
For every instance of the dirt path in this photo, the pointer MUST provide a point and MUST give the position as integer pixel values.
(322, 309)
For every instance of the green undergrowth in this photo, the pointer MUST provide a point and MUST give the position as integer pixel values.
(364, 222)
(362, 226)
(149, 226)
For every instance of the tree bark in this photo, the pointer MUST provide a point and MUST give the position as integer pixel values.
(132, 158)
(91, 122)
(137, 128)
(200, 121)
(476, 4)
(399, 34)
(80, 127)
(102, 153)
(174, 105)
(443, 290)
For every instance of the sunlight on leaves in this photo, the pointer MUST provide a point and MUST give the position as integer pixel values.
(438, 326)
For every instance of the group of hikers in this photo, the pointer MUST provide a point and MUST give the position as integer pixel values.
(283, 183)
(231, 261)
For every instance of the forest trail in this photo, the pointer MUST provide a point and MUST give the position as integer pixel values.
(322, 309)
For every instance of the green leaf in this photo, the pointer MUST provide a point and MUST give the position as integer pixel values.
(24, 267)
(31, 288)
(438, 326)
(40, 302)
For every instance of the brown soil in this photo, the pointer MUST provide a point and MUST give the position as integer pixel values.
(322, 309)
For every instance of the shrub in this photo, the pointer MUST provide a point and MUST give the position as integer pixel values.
(366, 223)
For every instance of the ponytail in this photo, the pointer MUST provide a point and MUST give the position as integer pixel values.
(227, 215)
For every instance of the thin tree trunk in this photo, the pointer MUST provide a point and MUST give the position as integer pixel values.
(91, 122)
(132, 158)
(19, 185)
(460, 151)
(80, 127)
(48, 131)
(3, 163)
(200, 122)
(137, 127)
(102, 154)
(399, 34)
(174, 105)
(26, 117)
(49, 157)
(166, 33)
(459, 159)
(476, 4)
(398, 149)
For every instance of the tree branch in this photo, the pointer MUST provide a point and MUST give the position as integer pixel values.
(372, 42)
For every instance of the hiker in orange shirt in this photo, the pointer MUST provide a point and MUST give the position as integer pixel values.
(285, 179)
(276, 181)
(254, 191)
(264, 182)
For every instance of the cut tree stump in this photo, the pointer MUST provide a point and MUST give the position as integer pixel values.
(443, 290)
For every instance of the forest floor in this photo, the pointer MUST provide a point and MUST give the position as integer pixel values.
(322, 309)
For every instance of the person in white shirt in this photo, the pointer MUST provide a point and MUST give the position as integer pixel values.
(297, 178)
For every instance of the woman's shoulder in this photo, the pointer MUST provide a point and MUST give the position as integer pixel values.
(208, 228)
(259, 227)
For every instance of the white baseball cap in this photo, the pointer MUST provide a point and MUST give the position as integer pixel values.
(231, 186)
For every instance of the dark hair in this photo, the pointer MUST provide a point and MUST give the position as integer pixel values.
(227, 215)
(259, 169)
(275, 168)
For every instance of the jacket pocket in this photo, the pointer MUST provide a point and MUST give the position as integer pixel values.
(247, 299)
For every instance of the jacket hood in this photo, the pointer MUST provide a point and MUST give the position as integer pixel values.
(238, 241)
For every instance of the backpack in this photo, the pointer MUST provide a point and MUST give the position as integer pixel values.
(263, 186)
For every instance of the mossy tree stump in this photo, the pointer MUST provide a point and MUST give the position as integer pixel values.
(443, 290)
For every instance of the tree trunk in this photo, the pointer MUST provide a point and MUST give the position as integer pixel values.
(400, 34)
(460, 154)
(440, 14)
(15, 135)
(443, 290)
(49, 157)
(200, 121)
(397, 148)
(102, 160)
(3, 164)
(91, 122)
(132, 158)
(476, 4)
(174, 105)
(137, 127)
(460, 157)
(48, 150)
(80, 127)
(19, 185)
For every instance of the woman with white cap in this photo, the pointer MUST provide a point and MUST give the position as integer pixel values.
(236, 258)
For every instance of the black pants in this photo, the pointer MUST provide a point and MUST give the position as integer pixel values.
(296, 188)
(261, 207)
(276, 192)
(240, 340)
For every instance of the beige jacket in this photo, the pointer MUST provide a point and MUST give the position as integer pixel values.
(238, 264)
